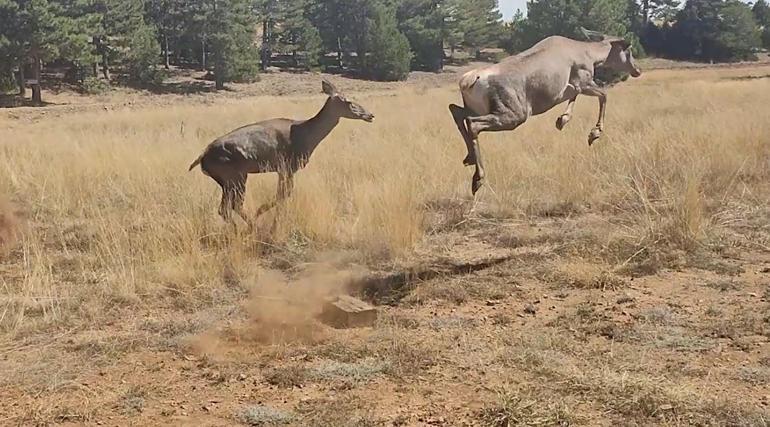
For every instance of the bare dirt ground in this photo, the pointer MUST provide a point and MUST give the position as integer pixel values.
(533, 320)
(548, 337)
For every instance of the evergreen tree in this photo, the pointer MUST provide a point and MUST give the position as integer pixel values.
(663, 10)
(762, 15)
(230, 27)
(565, 17)
(761, 12)
(167, 16)
(297, 32)
(512, 39)
(29, 35)
(479, 21)
(390, 54)
(714, 30)
(423, 22)
(738, 35)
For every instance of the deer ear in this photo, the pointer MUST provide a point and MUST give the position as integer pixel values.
(328, 88)
(593, 36)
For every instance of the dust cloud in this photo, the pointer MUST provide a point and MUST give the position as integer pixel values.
(285, 308)
(282, 308)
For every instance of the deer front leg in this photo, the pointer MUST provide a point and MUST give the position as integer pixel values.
(459, 114)
(596, 132)
(567, 116)
(285, 187)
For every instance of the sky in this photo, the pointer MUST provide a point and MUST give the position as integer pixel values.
(508, 7)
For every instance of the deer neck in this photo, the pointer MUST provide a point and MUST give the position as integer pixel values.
(311, 132)
(598, 52)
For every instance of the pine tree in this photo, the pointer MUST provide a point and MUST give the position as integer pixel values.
(762, 15)
(328, 19)
(424, 23)
(479, 21)
(127, 40)
(230, 27)
(714, 30)
(297, 33)
(566, 17)
(390, 55)
(167, 16)
(30, 34)
(664, 10)
(738, 34)
(512, 39)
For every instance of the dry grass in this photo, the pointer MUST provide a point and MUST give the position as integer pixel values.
(122, 250)
(111, 191)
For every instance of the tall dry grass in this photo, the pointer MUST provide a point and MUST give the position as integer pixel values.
(116, 219)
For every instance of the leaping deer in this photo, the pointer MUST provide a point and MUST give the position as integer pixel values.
(503, 96)
(276, 145)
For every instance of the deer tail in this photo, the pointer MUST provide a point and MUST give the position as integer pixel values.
(196, 163)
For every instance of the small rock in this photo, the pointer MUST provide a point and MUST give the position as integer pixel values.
(241, 376)
(753, 295)
(530, 309)
(665, 407)
(491, 302)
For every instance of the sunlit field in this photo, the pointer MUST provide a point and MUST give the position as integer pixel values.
(112, 232)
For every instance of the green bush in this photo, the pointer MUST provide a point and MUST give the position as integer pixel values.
(142, 57)
(390, 57)
(94, 86)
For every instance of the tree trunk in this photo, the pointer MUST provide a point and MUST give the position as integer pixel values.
(166, 55)
(105, 63)
(203, 54)
(263, 51)
(37, 96)
(101, 49)
(219, 82)
(219, 75)
(340, 63)
(22, 80)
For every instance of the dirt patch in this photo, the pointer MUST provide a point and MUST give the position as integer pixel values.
(281, 309)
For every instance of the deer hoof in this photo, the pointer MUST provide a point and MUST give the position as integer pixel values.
(477, 184)
(562, 121)
(470, 160)
(595, 134)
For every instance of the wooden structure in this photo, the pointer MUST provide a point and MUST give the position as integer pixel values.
(348, 312)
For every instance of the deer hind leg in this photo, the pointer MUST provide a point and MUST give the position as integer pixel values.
(233, 193)
(459, 114)
(238, 196)
(488, 123)
(225, 206)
